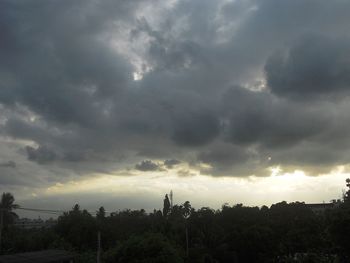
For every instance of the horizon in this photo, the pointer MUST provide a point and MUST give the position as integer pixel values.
(93, 208)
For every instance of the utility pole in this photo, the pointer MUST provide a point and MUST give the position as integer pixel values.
(1, 226)
(186, 239)
(98, 246)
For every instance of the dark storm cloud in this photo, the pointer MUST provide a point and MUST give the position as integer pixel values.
(44, 154)
(170, 163)
(316, 65)
(8, 164)
(196, 129)
(41, 154)
(164, 52)
(58, 59)
(66, 83)
(147, 165)
(20, 128)
(224, 156)
(261, 118)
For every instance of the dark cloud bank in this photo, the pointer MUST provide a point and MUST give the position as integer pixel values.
(240, 86)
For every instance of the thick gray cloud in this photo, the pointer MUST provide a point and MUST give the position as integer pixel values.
(197, 129)
(224, 156)
(41, 154)
(261, 118)
(314, 66)
(9, 164)
(147, 165)
(90, 86)
(170, 163)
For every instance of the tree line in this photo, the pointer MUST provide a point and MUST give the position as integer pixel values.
(283, 232)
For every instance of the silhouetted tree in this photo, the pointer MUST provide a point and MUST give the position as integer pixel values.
(76, 208)
(183, 234)
(101, 213)
(7, 216)
(186, 212)
(187, 209)
(166, 206)
(78, 227)
(339, 226)
(347, 193)
(7, 205)
(145, 248)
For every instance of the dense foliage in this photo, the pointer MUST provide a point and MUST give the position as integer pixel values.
(282, 233)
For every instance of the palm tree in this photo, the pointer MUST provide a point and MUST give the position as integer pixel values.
(7, 216)
(186, 212)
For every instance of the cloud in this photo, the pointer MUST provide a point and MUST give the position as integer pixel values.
(41, 155)
(225, 87)
(170, 163)
(147, 166)
(196, 129)
(8, 164)
(261, 118)
(185, 173)
(316, 65)
(223, 155)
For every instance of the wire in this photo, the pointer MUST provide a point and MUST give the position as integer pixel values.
(55, 212)
(40, 210)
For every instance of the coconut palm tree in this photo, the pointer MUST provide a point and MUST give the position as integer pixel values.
(7, 216)
(7, 205)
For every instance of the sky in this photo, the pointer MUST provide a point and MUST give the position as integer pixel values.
(115, 102)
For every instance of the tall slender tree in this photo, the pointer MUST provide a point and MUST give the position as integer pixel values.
(166, 206)
(7, 215)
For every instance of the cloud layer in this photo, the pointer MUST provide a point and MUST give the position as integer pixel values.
(229, 87)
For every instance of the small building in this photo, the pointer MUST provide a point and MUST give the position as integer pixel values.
(44, 256)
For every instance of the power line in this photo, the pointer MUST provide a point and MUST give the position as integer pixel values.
(41, 210)
(51, 211)
(55, 212)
